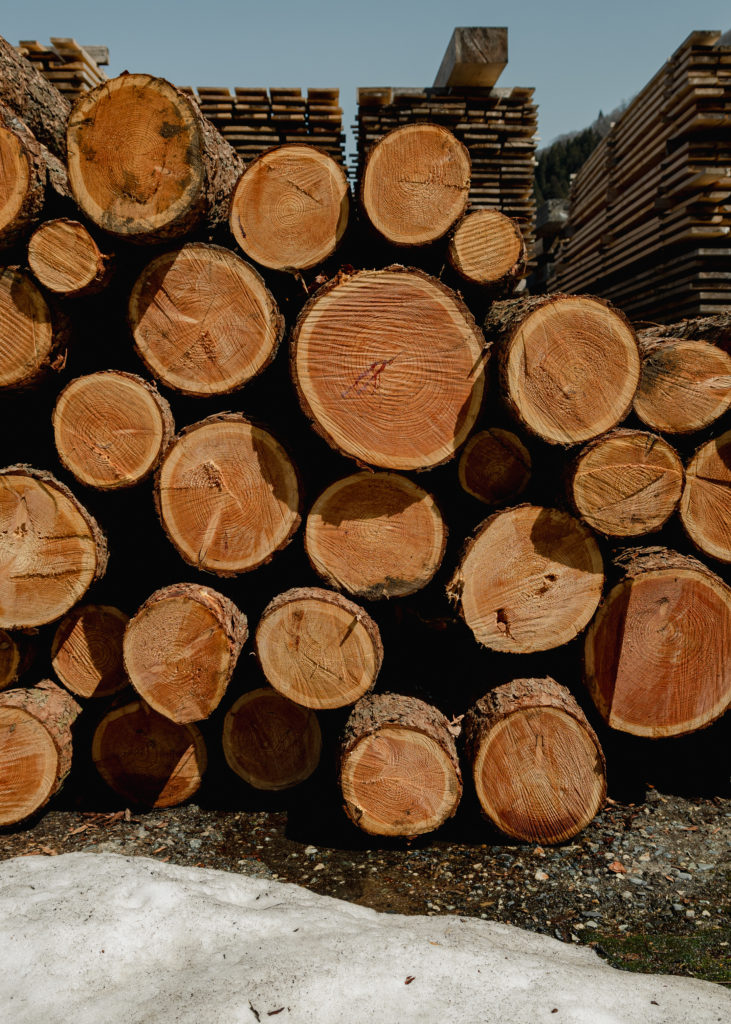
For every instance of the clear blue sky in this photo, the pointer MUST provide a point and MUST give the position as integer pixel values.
(581, 55)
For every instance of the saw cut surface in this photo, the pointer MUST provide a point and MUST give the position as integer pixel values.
(389, 366)
(28, 765)
(87, 651)
(705, 508)
(495, 466)
(486, 247)
(63, 256)
(26, 331)
(685, 385)
(14, 179)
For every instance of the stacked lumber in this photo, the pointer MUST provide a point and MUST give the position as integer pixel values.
(650, 211)
(217, 560)
(73, 69)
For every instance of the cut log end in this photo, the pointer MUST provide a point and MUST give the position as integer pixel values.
(530, 580)
(147, 759)
(416, 184)
(376, 535)
(203, 320)
(289, 210)
(27, 342)
(318, 649)
(685, 384)
(228, 495)
(495, 466)
(11, 659)
(111, 429)
(87, 651)
(627, 483)
(15, 182)
(66, 260)
(487, 249)
(270, 742)
(705, 508)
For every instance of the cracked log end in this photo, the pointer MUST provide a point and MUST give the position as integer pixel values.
(495, 466)
(705, 508)
(87, 651)
(685, 384)
(29, 338)
(66, 260)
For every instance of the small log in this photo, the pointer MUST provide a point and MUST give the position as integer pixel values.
(111, 429)
(705, 508)
(685, 384)
(270, 742)
(495, 466)
(318, 649)
(657, 657)
(569, 365)
(13, 658)
(147, 759)
(87, 651)
(227, 495)
(626, 483)
(35, 748)
(66, 260)
(33, 338)
(289, 210)
(487, 249)
(52, 549)
(537, 765)
(376, 535)
(388, 365)
(530, 579)
(180, 650)
(33, 99)
(416, 184)
(203, 321)
(398, 766)
(144, 164)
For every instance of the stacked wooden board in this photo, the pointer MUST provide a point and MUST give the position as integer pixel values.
(650, 212)
(73, 69)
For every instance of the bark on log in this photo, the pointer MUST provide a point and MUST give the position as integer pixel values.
(705, 508)
(289, 210)
(416, 184)
(111, 429)
(33, 99)
(203, 320)
(537, 765)
(529, 580)
(495, 466)
(144, 164)
(318, 649)
(147, 759)
(398, 766)
(626, 483)
(35, 748)
(51, 549)
(180, 650)
(66, 260)
(715, 329)
(227, 495)
(376, 535)
(388, 365)
(87, 651)
(487, 249)
(270, 742)
(569, 365)
(657, 657)
(33, 336)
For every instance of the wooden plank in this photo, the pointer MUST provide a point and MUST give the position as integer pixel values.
(474, 57)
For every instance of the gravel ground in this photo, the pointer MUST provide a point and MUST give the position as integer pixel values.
(646, 884)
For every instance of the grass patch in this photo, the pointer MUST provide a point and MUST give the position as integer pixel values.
(701, 955)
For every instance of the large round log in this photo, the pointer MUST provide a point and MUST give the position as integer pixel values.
(180, 650)
(398, 766)
(289, 210)
(33, 99)
(147, 759)
(375, 535)
(51, 549)
(495, 466)
(66, 260)
(416, 184)
(705, 508)
(569, 364)
(227, 495)
(35, 748)
(87, 650)
(111, 429)
(144, 164)
(389, 367)
(270, 742)
(626, 483)
(33, 338)
(658, 654)
(529, 580)
(537, 765)
(487, 249)
(203, 321)
(317, 648)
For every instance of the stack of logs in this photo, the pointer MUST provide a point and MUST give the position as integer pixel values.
(183, 486)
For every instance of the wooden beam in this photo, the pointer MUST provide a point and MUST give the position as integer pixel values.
(474, 57)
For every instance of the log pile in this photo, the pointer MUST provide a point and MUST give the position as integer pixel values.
(649, 217)
(216, 551)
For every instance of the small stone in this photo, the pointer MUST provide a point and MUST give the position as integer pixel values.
(705, 913)
(195, 844)
(683, 874)
(617, 868)
(541, 876)
(678, 908)
(477, 867)
(690, 913)
(591, 924)
(310, 851)
(319, 867)
(590, 913)
(706, 867)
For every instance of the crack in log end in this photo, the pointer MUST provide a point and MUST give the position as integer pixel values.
(212, 475)
(502, 623)
(370, 378)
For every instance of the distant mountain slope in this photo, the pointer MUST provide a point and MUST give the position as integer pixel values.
(566, 154)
